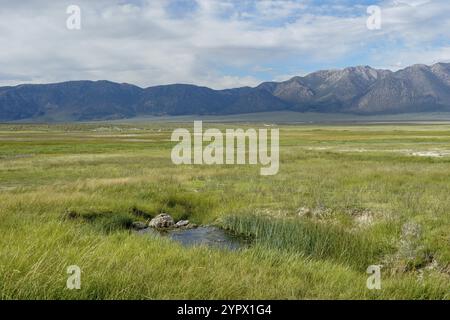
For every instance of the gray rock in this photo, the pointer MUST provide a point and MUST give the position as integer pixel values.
(304, 212)
(182, 223)
(138, 225)
(162, 221)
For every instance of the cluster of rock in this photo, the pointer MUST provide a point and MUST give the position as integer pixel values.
(318, 212)
(163, 221)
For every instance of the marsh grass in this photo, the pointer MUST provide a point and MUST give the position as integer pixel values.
(108, 179)
(106, 221)
(314, 240)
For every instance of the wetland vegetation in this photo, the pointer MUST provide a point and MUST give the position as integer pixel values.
(345, 197)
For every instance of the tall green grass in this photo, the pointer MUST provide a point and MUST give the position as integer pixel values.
(110, 178)
(312, 239)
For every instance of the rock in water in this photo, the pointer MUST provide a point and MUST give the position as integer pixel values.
(138, 225)
(181, 223)
(162, 221)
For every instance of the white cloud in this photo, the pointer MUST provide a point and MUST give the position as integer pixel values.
(285, 77)
(278, 9)
(142, 43)
(413, 3)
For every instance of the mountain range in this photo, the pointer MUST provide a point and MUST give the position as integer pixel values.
(356, 90)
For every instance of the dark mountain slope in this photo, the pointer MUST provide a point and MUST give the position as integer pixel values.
(75, 100)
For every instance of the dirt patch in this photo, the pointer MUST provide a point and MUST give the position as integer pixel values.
(432, 154)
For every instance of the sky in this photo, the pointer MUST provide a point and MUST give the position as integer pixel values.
(214, 43)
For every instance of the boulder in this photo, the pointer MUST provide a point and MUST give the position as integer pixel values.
(304, 212)
(181, 223)
(162, 221)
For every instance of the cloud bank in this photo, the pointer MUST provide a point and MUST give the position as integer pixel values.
(216, 43)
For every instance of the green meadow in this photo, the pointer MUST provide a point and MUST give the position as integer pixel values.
(345, 197)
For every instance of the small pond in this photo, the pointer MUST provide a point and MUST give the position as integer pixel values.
(203, 235)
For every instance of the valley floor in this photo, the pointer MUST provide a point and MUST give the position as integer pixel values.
(346, 197)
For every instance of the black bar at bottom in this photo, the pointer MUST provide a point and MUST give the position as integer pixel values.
(226, 309)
